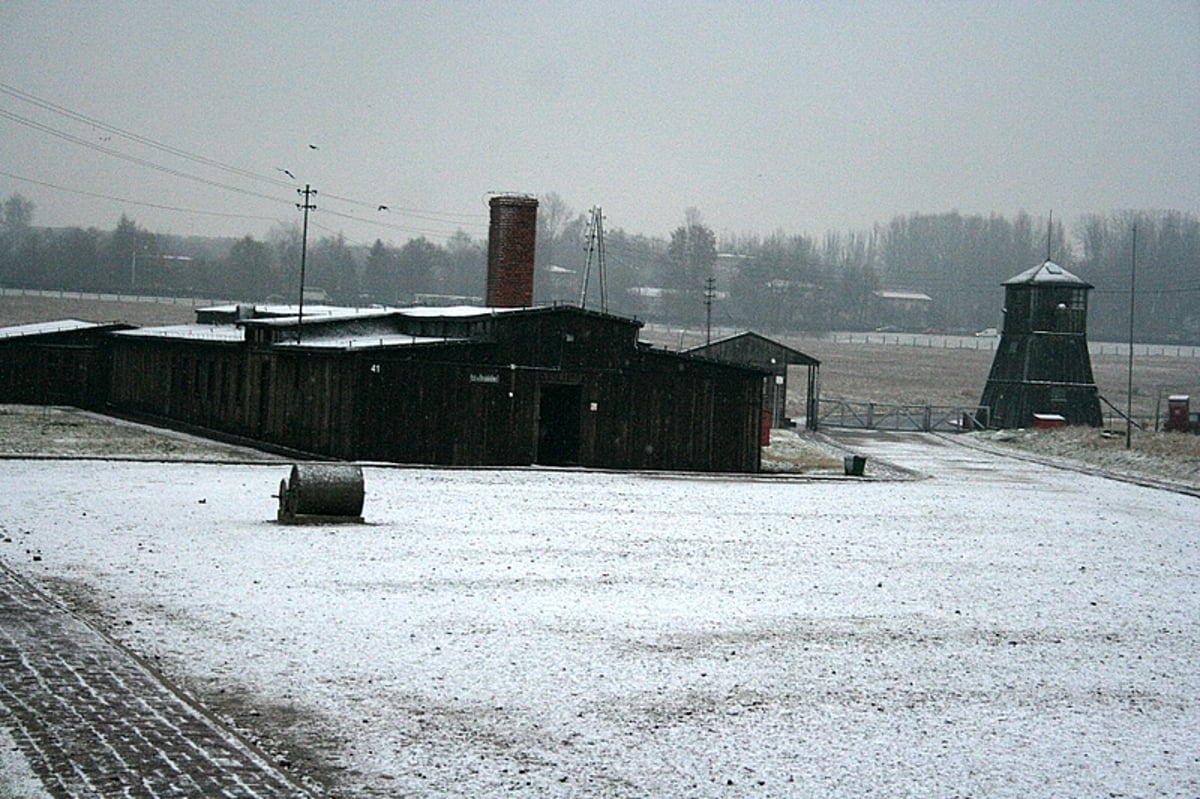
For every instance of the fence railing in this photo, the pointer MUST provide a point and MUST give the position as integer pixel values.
(109, 296)
(989, 343)
(910, 417)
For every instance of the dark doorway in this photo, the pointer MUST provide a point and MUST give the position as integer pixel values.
(559, 410)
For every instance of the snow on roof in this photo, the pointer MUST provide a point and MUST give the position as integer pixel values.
(279, 317)
(1047, 272)
(919, 296)
(192, 332)
(315, 309)
(42, 328)
(461, 311)
(286, 315)
(367, 342)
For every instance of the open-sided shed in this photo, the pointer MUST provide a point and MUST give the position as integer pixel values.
(759, 352)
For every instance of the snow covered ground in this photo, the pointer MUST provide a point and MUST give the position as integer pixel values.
(1001, 628)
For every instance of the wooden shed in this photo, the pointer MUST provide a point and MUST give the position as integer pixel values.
(760, 352)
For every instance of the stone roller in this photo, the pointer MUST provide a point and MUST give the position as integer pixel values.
(321, 492)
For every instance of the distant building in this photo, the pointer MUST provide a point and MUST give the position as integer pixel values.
(902, 310)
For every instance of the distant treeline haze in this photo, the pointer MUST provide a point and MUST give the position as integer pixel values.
(778, 283)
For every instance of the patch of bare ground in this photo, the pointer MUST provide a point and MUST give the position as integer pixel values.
(1168, 457)
(792, 452)
(53, 431)
(23, 310)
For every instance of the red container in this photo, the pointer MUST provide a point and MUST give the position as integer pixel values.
(1048, 421)
(1177, 413)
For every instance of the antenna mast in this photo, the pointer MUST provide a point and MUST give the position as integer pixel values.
(710, 292)
(1049, 231)
(595, 246)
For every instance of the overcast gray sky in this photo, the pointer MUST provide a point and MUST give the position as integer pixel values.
(801, 117)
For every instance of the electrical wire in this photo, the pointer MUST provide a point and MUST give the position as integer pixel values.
(12, 91)
(47, 105)
(133, 159)
(137, 202)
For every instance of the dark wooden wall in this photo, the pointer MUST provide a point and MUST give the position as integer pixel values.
(368, 406)
(567, 388)
(54, 373)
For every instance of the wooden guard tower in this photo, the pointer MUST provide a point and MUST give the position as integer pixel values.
(1042, 365)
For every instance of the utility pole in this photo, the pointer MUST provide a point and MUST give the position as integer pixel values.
(709, 293)
(308, 192)
(1129, 390)
(1049, 233)
(595, 236)
(587, 263)
(600, 260)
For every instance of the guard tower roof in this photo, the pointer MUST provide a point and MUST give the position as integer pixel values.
(1047, 273)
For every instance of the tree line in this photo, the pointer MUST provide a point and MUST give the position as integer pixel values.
(777, 283)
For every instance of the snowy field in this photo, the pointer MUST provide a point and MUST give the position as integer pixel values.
(998, 629)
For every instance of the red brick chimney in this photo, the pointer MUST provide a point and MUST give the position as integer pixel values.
(512, 235)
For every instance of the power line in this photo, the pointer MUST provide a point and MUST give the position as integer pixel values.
(47, 105)
(136, 202)
(133, 159)
(403, 229)
(135, 137)
(430, 216)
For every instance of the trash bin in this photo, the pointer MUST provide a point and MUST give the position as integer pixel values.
(855, 465)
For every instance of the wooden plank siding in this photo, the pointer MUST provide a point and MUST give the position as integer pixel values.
(64, 368)
(54, 374)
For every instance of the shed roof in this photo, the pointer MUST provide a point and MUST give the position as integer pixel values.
(890, 294)
(367, 342)
(754, 341)
(192, 332)
(1047, 273)
(56, 327)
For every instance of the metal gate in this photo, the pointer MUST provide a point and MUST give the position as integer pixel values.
(911, 417)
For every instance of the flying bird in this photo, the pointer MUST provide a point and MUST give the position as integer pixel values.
(289, 174)
(313, 147)
(383, 208)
